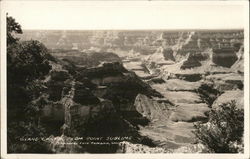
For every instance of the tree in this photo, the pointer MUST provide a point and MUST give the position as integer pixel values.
(26, 61)
(27, 65)
(223, 133)
(12, 27)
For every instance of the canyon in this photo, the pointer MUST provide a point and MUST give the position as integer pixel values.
(150, 85)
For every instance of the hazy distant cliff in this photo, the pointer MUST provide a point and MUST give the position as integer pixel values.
(138, 40)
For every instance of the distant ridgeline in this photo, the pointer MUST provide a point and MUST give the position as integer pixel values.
(143, 41)
(176, 43)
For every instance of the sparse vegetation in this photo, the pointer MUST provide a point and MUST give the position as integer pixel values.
(223, 133)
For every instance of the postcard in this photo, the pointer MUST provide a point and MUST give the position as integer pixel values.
(119, 79)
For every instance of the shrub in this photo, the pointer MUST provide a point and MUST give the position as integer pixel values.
(26, 62)
(223, 133)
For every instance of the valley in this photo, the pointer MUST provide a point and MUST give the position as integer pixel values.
(150, 85)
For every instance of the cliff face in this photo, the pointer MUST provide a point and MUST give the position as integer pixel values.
(201, 76)
(190, 62)
(141, 41)
(116, 84)
(224, 57)
(145, 42)
(85, 59)
(84, 102)
(184, 45)
(163, 47)
(238, 66)
(155, 96)
(152, 109)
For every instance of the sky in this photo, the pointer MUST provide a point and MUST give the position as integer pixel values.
(82, 15)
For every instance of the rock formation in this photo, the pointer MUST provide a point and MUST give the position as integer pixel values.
(225, 57)
(190, 62)
(151, 109)
(238, 66)
(236, 95)
(155, 93)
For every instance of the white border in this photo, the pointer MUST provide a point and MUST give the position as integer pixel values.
(108, 156)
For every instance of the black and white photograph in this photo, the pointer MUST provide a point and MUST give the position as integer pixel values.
(122, 77)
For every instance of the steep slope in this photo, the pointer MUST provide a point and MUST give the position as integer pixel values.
(96, 101)
(238, 66)
(151, 109)
(199, 51)
(86, 59)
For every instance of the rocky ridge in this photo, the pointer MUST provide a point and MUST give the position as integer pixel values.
(90, 98)
(156, 98)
